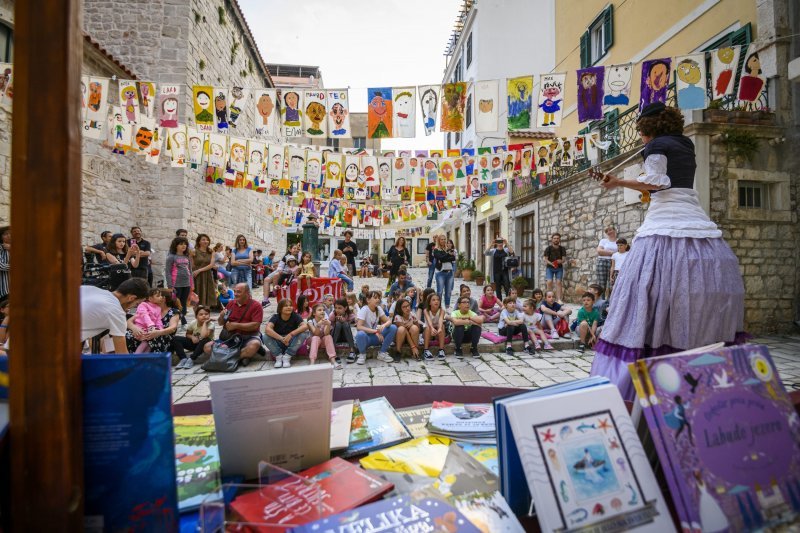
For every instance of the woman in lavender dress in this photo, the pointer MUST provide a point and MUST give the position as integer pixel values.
(681, 287)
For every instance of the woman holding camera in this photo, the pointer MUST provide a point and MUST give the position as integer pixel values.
(499, 253)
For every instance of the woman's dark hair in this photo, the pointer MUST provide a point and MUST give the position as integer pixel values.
(668, 122)
(200, 236)
(462, 287)
(170, 299)
(423, 303)
(302, 302)
(398, 309)
(201, 308)
(173, 247)
(112, 244)
(236, 243)
(342, 302)
(153, 292)
(4, 229)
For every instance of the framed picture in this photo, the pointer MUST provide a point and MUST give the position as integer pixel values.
(421, 245)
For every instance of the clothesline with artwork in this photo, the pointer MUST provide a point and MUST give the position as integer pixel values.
(392, 111)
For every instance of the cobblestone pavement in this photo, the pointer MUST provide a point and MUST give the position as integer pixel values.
(491, 369)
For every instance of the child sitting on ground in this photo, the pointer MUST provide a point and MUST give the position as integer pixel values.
(538, 298)
(320, 327)
(303, 307)
(533, 323)
(327, 302)
(511, 323)
(600, 305)
(411, 296)
(148, 317)
(490, 305)
(407, 327)
(553, 312)
(434, 326)
(464, 291)
(512, 293)
(587, 322)
(341, 319)
(352, 304)
(225, 294)
(362, 296)
(466, 326)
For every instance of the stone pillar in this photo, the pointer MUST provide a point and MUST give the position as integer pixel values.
(311, 240)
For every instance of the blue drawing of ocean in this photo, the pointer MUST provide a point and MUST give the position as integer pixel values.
(590, 469)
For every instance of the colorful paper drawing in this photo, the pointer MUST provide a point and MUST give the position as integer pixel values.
(429, 105)
(369, 172)
(468, 155)
(7, 85)
(352, 170)
(147, 97)
(567, 156)
(542, 159)
(236, 103)
(618, 85)
(339, 114)
(168, 105)
(120, 131)
(195, 151)
(203, 107)
(579, 147)
(256, 160)
(313, 168)
(333, 171)
(129, 101)
(217, 150)
(221, 109)
(447, 171)
(292, 112)
(156, 147)
(751, 82)
(96, 106)
(178, 145)
(655, 81)
(297, 164)
(430, 168)
(379, 112)
(486, 105)
(723, 71)
(385, 171)
(404, 118)
(454, 101)
(315, 120)
(519, 102)
(275, 164)
(401, 170)
(526, 162)
(551, 99)
(265, 113)
(690, 81)
(144, 133)
(238, 153)
(590, 93)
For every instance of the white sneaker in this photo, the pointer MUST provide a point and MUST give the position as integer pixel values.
(385, 357)
(554, 336)
(362, 359)
(278, 361)
(287, 361)
(188, 363)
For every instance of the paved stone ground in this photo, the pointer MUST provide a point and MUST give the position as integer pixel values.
(493, 368)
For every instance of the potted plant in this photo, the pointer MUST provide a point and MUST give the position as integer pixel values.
(518, 283)
(460, 260)
(467, 269)
(478, 277)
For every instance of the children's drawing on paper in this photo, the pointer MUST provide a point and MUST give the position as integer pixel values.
(519, 102)
(291, 112)
(84, 87)
(690, 81)
(404, 119)
(313, 168)
(618, 85)
(385, 171)
(486, 103)
(195, 150)
(275, 163)
(129, 100)
(430, 168)
(333, 171)
(723, 71)
(168, 105)
(447, 172)
(6, 84)
(265, 113)
(154, 153)
(221, 109)
(454, 101)
(178, 145)
(119, 131)
(655, 80)
(217, 150)
(315, 118)
(590, 93)
(429, 105)
(203, 108)
(551, 98)
(339, 114)
(542, 159)
(144, 133)
(256, 160)
(379, 112)
(238, 98)
(96, 108)
(352, 170)
(147, 97)
(400, 172)
(369, 172)
(297, 164)
(238, 154)
(579, 147)
(567, 156)
(751, 82)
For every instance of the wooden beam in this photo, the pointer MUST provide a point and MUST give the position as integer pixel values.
(45, 380)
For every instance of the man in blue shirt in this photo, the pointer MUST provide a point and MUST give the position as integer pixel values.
(402, 284)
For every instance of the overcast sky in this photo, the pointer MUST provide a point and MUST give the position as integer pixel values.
(359, 44)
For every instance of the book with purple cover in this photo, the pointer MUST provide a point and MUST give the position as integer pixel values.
(727, 435)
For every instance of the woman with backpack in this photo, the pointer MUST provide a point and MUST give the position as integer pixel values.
(503, 259)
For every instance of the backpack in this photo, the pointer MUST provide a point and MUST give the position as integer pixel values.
(512, 261)
(224, 355)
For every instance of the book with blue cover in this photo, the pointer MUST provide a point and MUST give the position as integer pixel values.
(129, 459)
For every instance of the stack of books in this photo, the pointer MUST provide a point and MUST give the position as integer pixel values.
(463, 422)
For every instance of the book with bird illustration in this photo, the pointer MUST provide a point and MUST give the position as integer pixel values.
(196, 460)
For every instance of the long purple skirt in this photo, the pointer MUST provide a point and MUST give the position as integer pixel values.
(672, 294)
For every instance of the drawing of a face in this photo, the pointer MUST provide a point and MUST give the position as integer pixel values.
(486, 106)
(179, 139)
(458, 163)
(475, 184)
(351, 172)
(338, 113)
(657, 77)
(429, 103)
(399, 164)
(256, 157)
(383, 171)
(725, 55)
(551, 90)
(429, 165)
(203, 99)
(145, 90)
(296, 166)
(588, 80)
(219, 102)
(567, 146)
(333, 169)
(753, 65)
(169, 106)
(313, 168)
(237, 153)
(689, 71)
(236, 92)
(265, 107)
(542, 151)
(495, 162)
(316, 113)
(195, 144)
(403, 105)
(483, 162)
(447, 171)
(291, 100)
(579, 144)
(118, 118)
(369, 171)
(216, 151)
(144, 137)
(378, 104)
(526, 159)
(130, 93)
(95, 95)
(276, 163)
(618, 78)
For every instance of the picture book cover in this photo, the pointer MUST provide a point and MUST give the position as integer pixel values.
(129, 464)
(486, 454)
(196, 460)
(404, 483)
(584, 463)
(385, 427)
(359, 430)
(423, 456)
(462, 419)
(343, 486)
(416, 419)
(341, 421)
(730, 435)
(401, 514)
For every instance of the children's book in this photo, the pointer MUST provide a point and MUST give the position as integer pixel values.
(404, 483)
(341, 421)
(486, 454)
(343, 486)
(385, 428)
(359, 430)
(196, 460)
(416, 419)
(424, 456)
(462, 421)
(584, 463)
(128, 439)
(399, 514)
(727, 436)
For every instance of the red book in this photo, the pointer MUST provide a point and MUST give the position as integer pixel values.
(343, 485)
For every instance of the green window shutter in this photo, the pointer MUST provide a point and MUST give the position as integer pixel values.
(585, 50)
(608, 27)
